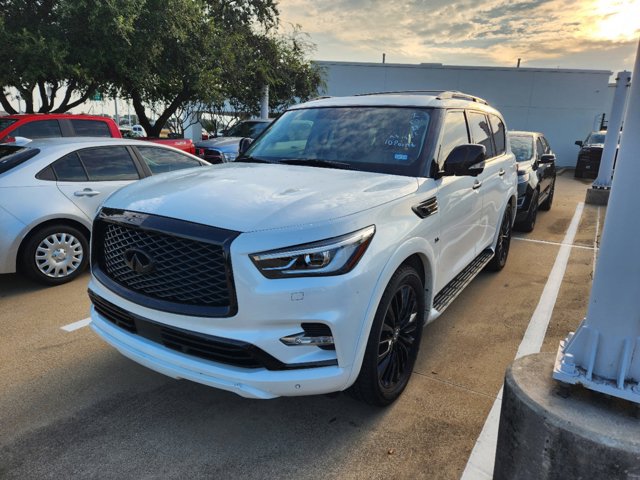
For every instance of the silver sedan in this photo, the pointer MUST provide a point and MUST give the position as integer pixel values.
(50, 190)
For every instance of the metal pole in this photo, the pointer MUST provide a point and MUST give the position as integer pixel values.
(613, 130)
(115, 102)
(604, 353)
(264, 103)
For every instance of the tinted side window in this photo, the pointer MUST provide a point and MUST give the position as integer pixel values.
(481, 132)
(108, 163)
(497, 127)
(38, 129)
(90, 128)
(539, 148)
(161, 160)
(69, 169)
(455, 133)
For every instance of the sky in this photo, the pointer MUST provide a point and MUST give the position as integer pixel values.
(591, 34)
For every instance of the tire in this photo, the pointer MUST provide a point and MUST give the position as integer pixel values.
(499, 260)
(528, 224)
(55, 254)
(546, 205)
(384, 376)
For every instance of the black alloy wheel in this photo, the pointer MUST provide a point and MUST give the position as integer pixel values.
(499, 260)
(528, 224)
(394, 340)
(546, 205)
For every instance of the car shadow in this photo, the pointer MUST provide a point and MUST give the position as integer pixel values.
(15, 284)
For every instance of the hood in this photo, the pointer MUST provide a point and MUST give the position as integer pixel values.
(248, 197)
(226, 143)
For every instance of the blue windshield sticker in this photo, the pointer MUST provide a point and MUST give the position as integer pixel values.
(401, 156)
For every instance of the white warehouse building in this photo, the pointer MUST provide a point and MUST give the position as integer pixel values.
(564, 104)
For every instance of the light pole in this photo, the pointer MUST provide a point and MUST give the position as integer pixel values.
(604, 353)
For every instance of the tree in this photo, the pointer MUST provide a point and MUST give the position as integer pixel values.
(58, 45)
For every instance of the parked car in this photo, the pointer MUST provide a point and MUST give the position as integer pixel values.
(536, 176)
(225, 149)
(588, 162)
(52, 125)
(309, 265)
(50, 190)
(38, 125)
(138, 131)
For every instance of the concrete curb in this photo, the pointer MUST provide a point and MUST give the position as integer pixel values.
(549, 430)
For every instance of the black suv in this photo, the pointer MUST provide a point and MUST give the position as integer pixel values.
(536, 176)
(588, 162)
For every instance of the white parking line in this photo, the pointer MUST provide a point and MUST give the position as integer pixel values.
(76, 325)
(482, 458)
(586, 247)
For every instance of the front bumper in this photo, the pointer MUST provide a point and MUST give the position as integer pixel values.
(249, 383)
(267, 311)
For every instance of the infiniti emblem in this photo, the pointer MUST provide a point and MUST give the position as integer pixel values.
(138, 260)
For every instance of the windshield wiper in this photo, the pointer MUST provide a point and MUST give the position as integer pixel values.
(315, 162)
(250, 159)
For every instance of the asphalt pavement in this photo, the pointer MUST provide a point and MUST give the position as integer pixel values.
(73, 407)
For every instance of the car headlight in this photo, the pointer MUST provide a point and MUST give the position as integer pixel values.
(333, 256)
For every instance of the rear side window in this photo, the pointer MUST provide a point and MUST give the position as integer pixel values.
(38, 129)
(481, 132)
(12, 156)
(90, 128)
(497, 128)
(455, 133)
(69, 169)
(161, 160)
(108, 164)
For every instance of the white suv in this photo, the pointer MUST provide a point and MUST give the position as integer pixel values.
(310, 264)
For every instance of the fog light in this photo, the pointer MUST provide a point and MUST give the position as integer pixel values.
(302, 339)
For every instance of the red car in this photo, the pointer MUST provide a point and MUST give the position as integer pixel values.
(47, 125)
(40, 125)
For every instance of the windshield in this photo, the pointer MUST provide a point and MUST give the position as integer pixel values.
(594, 138)
(12, 156)
(247, 129)
(522, 147)
(6, 122)
(374, 139)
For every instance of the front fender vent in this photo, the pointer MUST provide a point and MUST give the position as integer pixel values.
(426, 208)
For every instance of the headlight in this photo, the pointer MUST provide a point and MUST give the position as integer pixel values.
(333, 256)
(229, 156)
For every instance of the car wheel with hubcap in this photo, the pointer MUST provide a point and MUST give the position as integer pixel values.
(394, 340)
(499, 259)
(56, 254)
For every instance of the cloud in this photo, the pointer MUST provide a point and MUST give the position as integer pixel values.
(493, 32)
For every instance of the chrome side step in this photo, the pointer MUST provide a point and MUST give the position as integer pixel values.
(452, 289)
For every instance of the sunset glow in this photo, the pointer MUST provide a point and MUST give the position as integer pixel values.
(617, 20)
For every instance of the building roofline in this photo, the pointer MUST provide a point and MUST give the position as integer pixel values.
(460, 67)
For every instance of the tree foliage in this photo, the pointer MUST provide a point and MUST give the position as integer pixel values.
(160, 53)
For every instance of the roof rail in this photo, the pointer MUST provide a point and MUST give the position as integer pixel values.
(440, 94)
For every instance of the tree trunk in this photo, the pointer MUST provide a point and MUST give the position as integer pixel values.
(154, 130)
(6, 104)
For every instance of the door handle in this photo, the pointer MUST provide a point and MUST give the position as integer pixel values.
(86, 192)
(501, 172)
(477, 184)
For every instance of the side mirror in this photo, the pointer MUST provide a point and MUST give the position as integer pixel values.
(244, 145)
(579, 143)
(465, 160)
(548, 158)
